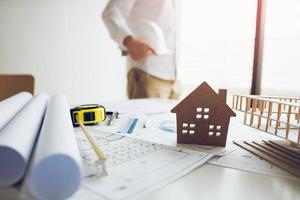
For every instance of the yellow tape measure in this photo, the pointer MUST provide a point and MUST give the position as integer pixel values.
(88, 114)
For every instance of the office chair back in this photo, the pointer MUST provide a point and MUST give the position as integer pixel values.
(13, 84)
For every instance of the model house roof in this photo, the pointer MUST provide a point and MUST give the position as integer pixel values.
(204, 93)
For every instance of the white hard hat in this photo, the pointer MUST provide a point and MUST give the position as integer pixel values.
(151, 33)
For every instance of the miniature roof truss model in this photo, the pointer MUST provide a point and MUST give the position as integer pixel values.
(279, 116)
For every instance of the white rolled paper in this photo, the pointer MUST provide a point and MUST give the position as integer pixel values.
(11, 106)
(17, 139)
(56, 171)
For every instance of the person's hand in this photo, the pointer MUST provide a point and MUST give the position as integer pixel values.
(137, 48)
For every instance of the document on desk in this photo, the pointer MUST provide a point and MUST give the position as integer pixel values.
(141, 106)
(244, 160)
(135, 167)
(154, 132)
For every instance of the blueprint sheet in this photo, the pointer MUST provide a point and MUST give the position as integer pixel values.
(246, 161)
(242, 159)
(135, 167)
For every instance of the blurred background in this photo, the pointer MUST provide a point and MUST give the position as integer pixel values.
(66, 46)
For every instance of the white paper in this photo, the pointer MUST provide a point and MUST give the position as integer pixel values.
(135, 167)
(141, 106)
(155, 133)
(11, 106)
(244, 160)
(17, 139)
(55, 172)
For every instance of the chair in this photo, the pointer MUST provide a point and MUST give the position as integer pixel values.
(11, 84)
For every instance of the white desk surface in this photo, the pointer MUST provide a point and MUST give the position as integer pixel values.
(218, 183)
(210, 182)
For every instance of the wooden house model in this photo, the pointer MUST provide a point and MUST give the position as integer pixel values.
(203, 117)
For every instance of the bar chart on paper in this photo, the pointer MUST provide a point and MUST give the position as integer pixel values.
(135, 167)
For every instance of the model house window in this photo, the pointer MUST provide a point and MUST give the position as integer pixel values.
(202, 113)
(188, 128)
(214, 130)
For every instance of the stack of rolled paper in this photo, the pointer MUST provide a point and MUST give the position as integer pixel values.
(38, 148)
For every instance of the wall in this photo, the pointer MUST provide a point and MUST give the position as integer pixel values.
(65, 45)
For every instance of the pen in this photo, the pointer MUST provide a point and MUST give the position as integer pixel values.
(132, 126)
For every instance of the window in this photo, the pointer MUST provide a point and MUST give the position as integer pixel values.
(198, 116)
(202, 113)
(281, 57)
(214, 130)
(192, 125)
(188, 128)
(217, 44)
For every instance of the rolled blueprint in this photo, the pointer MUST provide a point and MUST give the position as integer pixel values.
(17, 140)
(11, 106)
(55, 172)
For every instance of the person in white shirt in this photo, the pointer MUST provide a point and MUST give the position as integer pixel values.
(151, 74)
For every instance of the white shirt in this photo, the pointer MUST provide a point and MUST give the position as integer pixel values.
(119, 13)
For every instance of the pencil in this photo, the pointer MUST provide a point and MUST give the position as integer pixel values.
(95, 147)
